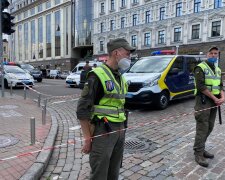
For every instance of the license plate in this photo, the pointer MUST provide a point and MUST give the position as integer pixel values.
(25, 82)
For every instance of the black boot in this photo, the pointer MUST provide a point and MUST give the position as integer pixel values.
(200, 159)
(208, 155)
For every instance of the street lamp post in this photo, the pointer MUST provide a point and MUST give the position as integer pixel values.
(177, 49)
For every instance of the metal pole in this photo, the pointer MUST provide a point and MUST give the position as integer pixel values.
(1, 54)
(32, 130)
(39, 100)
(11, 89)
(25, 93)
(43, 116)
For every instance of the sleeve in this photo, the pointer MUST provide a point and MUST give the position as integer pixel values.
(199, 79)
(88, 96)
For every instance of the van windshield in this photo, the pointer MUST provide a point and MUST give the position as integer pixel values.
(154, 64)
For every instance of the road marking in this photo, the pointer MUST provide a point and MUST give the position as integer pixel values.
(57, 177)
(10, 113)
(58, 102)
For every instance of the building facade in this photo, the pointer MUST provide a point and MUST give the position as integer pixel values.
(190, 27)
(51, 33)
(5, 50)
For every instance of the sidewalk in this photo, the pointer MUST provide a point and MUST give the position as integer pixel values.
(15, 141)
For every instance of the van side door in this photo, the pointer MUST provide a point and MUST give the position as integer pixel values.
(177, 77)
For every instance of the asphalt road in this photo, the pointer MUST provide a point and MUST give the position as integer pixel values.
(51, 87)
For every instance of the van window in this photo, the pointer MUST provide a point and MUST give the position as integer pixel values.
(191, 63)
(152, 64)
(178, 64)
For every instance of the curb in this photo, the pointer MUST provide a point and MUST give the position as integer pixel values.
(37, 169)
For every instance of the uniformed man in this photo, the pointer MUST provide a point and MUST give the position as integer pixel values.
(102, 105)
(209, 93)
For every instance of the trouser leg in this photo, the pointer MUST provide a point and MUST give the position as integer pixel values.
(116, 158)
(102, 148)
(212, 118)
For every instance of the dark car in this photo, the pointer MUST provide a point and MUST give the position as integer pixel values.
(37, 74)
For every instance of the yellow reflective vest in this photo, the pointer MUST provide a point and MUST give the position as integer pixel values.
(111, 105)
(212, 80)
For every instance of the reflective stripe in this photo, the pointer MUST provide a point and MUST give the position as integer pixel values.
(108, 111)
(212, 77)
(115, 96)
(213, 87)
(111, 77)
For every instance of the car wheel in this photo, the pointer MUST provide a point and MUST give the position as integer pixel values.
(39, 80)
(6, 84)
(163, 100)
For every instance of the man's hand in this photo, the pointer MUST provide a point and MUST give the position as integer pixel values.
(87, 146)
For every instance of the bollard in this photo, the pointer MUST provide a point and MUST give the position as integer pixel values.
(39, 100)
(32, 130)
(43, 116)
(11, 89)
(44, 112)
(25, 93)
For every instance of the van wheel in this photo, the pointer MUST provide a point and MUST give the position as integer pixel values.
(163, 100)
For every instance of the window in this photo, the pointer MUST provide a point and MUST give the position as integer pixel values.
(19, 17)
(39, 7)
(48, 4)
(20, 41)
(216, 28)
(162, 13)
(122, 22)
(161, 37)
(112, 5)
(48, 36)
(134, 40)
(25, 14)
(4, 49)
(101, 46)
(192, 62)
(123, 3)
(40, 37)
(135, 1)
(57, 34)
(102, 7)
(197, 4)
(195, 31)
(217, 4)
(178, 9)
(147, 17)
(178, 64)
(112, 24)
(32, 11)
(26, 41)
(57, 2)
(147, 39)
(102, 27)
(134, 19)
(67, 30)
(33, 48)
(177, 34)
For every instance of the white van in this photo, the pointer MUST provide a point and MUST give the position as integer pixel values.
(159, 79)
(73, 80)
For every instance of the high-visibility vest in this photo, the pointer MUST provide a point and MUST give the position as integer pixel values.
(212, 80)
(111, 105)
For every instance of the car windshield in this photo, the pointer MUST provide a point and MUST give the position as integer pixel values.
(153, 64)
(13, 69)
(27, 66)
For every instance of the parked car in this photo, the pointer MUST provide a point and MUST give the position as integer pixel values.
(37, 74)
(54, 74)
(64, 74)
(15, 76)
(73, 80)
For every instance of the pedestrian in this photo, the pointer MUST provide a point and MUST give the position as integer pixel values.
(102, 105)
(208, 94)
(87, 67)
(94, 65)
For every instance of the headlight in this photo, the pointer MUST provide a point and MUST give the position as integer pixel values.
(151, 82)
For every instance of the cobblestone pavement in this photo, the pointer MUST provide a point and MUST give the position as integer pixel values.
(15, 114)
(161, 149)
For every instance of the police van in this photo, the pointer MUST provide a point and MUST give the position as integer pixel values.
(161, 78)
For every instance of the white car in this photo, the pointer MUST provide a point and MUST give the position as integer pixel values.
(73, 80)
(15, 76)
